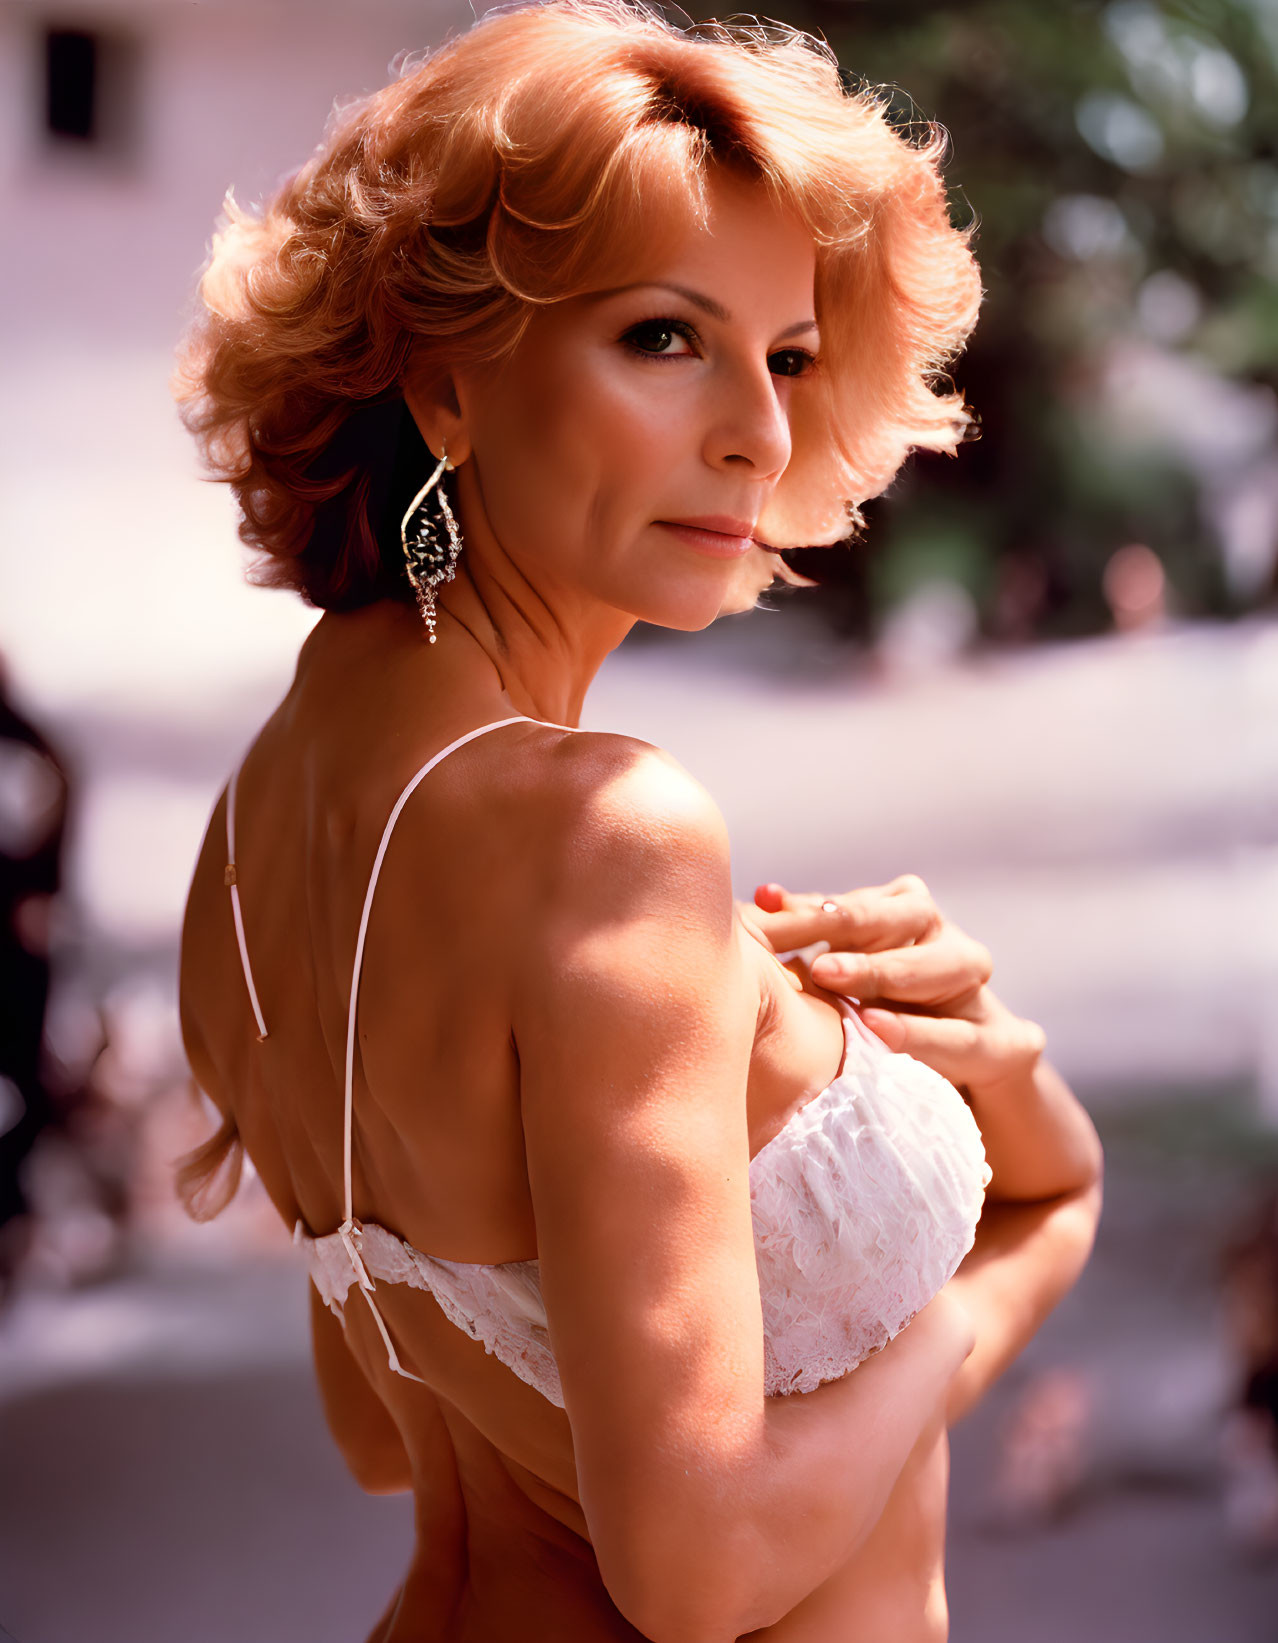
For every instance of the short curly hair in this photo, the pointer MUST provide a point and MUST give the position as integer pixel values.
(519, 164)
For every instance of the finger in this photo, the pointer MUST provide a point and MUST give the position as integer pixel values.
(951, 1048)
(770, 897)
(950, 966)
(968, 1053)
(877, 918)
(865, 920)
(907, 884)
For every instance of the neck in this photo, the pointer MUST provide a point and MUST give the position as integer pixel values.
(543, 636)
(544, 646)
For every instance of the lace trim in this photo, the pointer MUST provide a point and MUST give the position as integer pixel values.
(499, 1306)
(863, 1207)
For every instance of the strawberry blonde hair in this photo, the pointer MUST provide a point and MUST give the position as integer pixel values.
(521, 164)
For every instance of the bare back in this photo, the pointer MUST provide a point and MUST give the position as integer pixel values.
(439, 1147)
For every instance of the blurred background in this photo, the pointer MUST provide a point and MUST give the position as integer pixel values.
(1047, 680)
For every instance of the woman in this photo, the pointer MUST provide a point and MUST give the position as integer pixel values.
(579, 323)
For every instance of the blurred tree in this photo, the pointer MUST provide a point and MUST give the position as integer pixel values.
(1122, 162)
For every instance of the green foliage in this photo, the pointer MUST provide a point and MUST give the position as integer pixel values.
(1121, 162)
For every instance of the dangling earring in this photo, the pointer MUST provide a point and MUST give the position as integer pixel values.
(429, 561)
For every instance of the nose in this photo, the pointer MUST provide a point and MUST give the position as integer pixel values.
(750, 425)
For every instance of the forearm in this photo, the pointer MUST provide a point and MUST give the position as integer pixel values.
(1025, 1260)
(1039, 1140)
(834, 1456)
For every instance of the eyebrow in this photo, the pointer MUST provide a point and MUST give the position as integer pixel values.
(708, 305)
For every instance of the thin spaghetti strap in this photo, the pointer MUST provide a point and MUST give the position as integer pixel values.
(230, 880)
(349, 1231)
(403, 799)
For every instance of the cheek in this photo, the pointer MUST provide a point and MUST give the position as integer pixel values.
(528, 463)
(600, 402)
(575, 450)
(609, 421)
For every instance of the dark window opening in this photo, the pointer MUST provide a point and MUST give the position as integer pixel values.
(72, 60)
(92, 82)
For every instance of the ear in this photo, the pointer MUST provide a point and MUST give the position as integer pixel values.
(435, 407)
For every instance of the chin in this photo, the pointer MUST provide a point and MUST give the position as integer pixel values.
(689, 623)
(746, 595)
(696, 611)
(697, 622)
(739, 604)
(688, 615)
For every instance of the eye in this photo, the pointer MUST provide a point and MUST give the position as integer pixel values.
(655, 337)
(791, 362)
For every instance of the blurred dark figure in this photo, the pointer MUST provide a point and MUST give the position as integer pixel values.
(1250, 1439)
(33, 807)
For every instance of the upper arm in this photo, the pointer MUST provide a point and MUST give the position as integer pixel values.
(634, 1027)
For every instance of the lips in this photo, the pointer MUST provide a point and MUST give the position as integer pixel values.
(713, 536)
(721, 524)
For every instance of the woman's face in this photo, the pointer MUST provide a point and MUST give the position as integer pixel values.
(624, 451)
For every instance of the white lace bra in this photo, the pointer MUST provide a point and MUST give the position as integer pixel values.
(863, 1206)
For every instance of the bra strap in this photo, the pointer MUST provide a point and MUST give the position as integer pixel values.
(349, 1231)
(230, 881)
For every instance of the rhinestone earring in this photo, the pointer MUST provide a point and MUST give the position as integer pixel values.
(430, 556)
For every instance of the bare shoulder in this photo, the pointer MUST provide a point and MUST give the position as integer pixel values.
(607, 812)
(603, 769)
(629, 930)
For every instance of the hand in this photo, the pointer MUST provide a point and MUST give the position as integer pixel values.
(923, 983)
